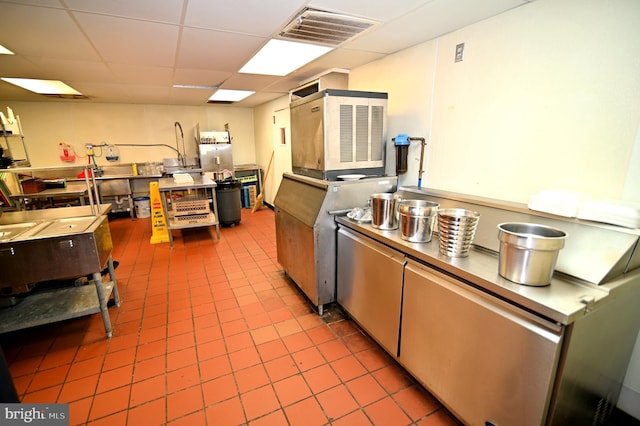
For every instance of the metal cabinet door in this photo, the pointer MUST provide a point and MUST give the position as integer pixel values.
(488, 361)
(369, 286)
(296, 252)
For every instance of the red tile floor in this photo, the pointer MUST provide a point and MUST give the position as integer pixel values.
(213, 333)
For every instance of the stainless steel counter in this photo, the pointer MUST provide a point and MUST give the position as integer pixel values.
(494, 351)
(562, 301)
(9, 218)
(55, 244)
(594, 252)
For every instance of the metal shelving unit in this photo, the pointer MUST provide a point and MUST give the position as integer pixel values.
(191, 208)
(12, 142)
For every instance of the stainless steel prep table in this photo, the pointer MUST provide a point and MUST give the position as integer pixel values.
(71, 190)
(120, 189)
(62, 243)
(39, 215)
(562, 301)
(200, 183)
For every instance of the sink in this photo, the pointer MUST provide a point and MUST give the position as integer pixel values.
(66, 226)
(9, 232)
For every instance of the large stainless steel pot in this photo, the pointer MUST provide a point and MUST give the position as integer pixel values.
(383, 211)
(417, 219)
(528, 252)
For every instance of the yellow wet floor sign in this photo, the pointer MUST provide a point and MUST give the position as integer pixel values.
(160, 232)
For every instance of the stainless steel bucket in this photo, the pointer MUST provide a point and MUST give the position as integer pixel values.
(396, 211)
(417, 219)
(383, 211)
(528, 252)
(456, 229)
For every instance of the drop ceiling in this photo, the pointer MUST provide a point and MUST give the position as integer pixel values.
(134, 51)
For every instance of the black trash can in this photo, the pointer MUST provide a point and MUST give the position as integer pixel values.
(229, 204)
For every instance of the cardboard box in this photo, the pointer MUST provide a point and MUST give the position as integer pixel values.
(31, 186)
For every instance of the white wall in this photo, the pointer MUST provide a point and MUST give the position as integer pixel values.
(45, 124)
(547, 96)
(266, 144)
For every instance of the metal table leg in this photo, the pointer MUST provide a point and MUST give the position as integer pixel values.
(112, 276)
(103, 301)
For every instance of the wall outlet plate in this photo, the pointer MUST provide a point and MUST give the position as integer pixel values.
(459, 52)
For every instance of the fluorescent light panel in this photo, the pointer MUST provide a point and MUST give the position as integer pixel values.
(194, 86)
(43, 87)
(225, 95)
(5, 51)
(280, 57)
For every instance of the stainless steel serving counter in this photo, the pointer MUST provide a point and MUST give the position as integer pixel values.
(38, 246)
(494, 351)
(563, 301)
(9, 218)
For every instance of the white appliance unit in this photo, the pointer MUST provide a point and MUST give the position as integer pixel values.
(336, 132)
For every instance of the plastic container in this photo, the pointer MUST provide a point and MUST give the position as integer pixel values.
(66, 152)
(142, 206)
(528, 252)
(229, 203)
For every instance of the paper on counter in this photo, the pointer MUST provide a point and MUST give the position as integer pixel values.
(582, 206)
(615, 212)
(558, 202)
(182, 178)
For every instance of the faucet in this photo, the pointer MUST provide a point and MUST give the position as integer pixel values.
(181, 158)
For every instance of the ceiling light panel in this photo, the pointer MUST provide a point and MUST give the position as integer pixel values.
(43, 87)
(226, 95)
(281, 57)
(5, 51)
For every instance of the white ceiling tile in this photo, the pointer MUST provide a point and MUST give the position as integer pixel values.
(19, 67)
(256, 17)
(131, 41)
(39, 31)
(160, 10)
(200, 77)
(68, 70)
(141, 74)
(383, 11)
(200, 48)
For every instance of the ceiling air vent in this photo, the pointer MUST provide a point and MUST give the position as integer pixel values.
(318, 27)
